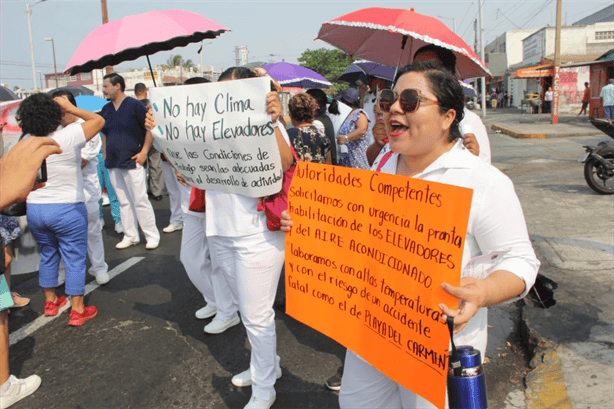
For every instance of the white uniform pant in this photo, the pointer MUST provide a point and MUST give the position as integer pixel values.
(364, 387)
(179, 195)
(95, 245)
(196, 258)
(251, 266)
(131, 189)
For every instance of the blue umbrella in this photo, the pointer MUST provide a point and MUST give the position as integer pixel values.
(353, 74)
(90, 103)
(375, 69)
(468, 90)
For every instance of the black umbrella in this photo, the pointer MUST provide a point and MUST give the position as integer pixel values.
(75, 90)
(7, 95)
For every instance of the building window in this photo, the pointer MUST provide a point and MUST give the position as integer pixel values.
(73, 78)
(86, 76)
(604, 35)
(502, 48)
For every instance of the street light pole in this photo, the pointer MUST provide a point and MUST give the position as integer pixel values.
(40, 78)
(453, 22)
(55, 67)
(28, 13)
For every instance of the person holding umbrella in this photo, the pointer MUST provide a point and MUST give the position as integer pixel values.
(471, 127)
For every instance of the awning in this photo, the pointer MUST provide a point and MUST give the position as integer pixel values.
(537, 71)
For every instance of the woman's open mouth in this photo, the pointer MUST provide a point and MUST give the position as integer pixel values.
(396, 128)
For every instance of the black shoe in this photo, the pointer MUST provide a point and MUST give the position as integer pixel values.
(157, 198)
(334, 383)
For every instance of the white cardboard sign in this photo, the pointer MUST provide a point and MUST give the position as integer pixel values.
(219, 136)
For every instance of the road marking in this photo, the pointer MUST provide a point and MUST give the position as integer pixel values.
(41, 321)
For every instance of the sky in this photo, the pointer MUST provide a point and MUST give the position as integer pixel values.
(272, 30)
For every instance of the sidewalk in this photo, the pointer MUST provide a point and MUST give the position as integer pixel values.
(513, 122)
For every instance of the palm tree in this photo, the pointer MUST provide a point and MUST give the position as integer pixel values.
(174, 61)
(189, 65)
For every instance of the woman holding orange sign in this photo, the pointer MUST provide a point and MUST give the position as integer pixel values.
(422, 118)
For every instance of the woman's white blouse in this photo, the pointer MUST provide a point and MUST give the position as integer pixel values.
(496, 230)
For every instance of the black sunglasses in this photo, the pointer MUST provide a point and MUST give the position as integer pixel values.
(409, 100)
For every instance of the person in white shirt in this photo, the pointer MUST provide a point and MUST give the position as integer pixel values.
(93, 195)
(250, 258)
(422, 118)
(472, 128)
(56, 214)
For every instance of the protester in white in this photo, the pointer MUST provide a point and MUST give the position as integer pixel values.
(471, 127)
(179, 197)
(92, 193)
(250, 258)
(369, 102)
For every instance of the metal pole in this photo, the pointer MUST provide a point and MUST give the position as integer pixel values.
(40, 78)
(28, 13)
(482, 56)
(557, 64)
(55, 67)
(105, 20)
(201, 58)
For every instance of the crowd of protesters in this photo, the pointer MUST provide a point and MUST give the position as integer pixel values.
(228, 252)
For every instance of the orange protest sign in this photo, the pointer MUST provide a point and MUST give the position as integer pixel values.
(365, 260)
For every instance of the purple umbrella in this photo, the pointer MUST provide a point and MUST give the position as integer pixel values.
(290, 75)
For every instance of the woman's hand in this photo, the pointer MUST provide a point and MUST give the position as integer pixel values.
(286, 222)
(273, 106)
(180, 179)
(379, 133)
(150, 123)
(471, 143)
(342, 139)
(64, 103)
(471, 294)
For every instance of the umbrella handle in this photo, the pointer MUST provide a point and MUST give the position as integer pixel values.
(403, 43)
(151, 71)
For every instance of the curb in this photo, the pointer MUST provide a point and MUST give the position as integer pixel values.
(518, 135)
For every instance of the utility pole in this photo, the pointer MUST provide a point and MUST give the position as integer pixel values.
(28, 14)
(105, 20)
(482, 57)
(557, 64)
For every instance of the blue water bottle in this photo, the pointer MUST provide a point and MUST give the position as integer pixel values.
(466, 382)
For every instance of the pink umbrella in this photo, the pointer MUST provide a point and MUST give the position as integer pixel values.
(391, 36)
(140, 35)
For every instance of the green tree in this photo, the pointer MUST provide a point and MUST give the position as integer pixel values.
(328, 63)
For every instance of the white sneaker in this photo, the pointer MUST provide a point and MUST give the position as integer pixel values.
(124, 244)
(218, 326)
(152, 245)
(19, 389)
(102, 278)
(245, 378)
(119, 229)
(206, 312)
(173, 227)
(257, 403)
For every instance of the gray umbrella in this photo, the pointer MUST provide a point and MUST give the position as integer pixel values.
(7, 95)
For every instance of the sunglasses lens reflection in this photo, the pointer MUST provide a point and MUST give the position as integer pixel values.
(409, 100)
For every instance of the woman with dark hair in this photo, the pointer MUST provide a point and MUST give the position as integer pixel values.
(249, 258)
(353, 133)
(323, 121)
(57, 215)
(309, 144)
(422, 116)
